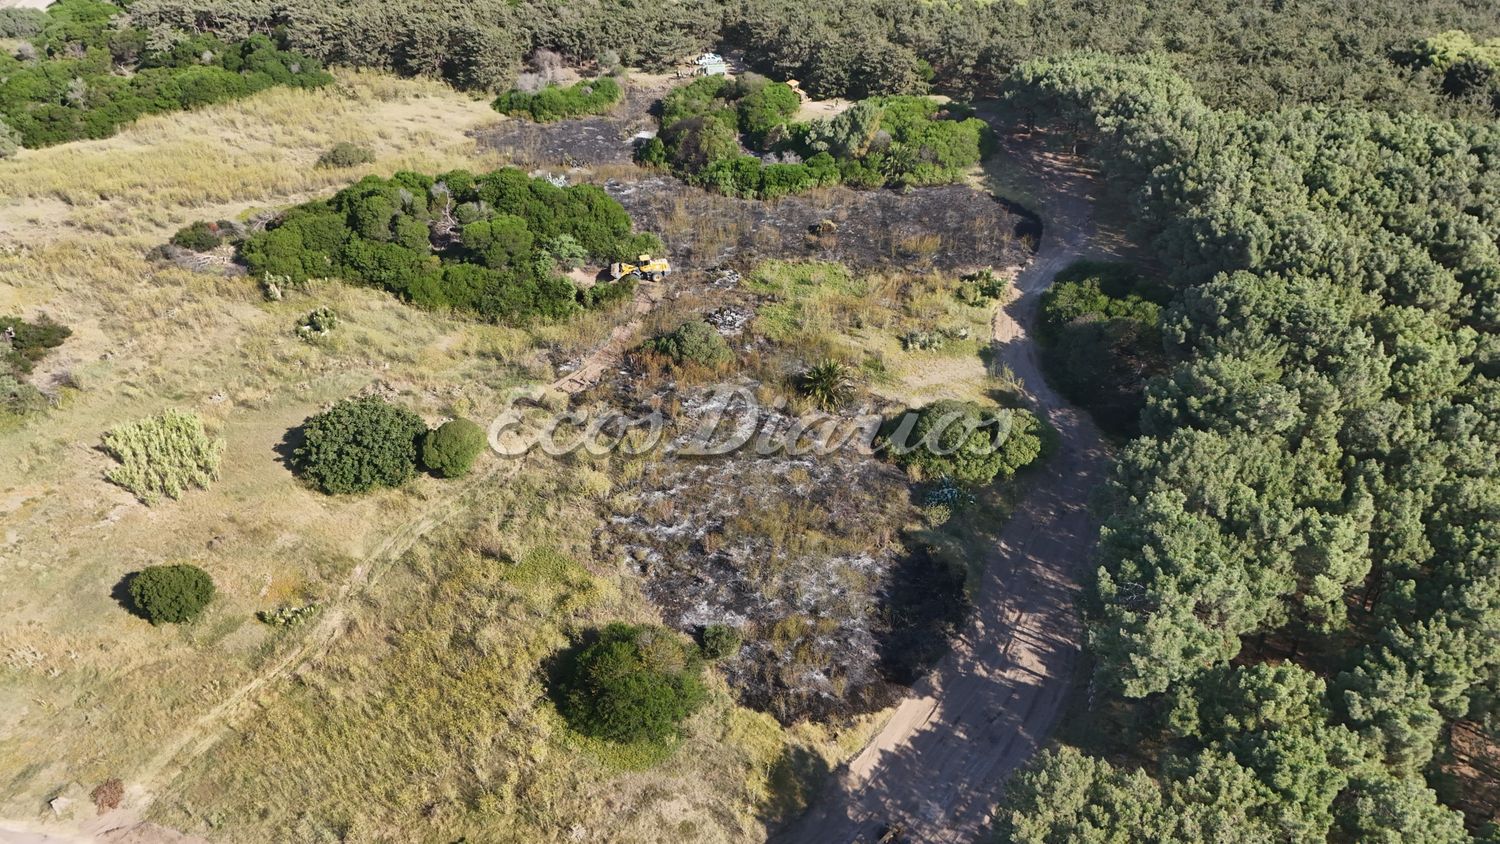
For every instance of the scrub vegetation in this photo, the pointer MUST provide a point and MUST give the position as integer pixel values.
(233, 223)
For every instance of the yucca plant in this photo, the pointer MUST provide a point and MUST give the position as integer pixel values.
(828, 385)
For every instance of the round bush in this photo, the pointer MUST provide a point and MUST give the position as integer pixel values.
(171, 594)
(359, 444)
(720, 641)
(694, 342)
(965, 442)
(199, 237)
(345, 154)
(450, 448)
(636, 683)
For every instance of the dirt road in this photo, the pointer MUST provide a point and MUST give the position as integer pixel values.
(935, 769)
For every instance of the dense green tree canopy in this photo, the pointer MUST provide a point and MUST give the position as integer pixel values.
(1315, 462)
(91, 70)
(492, 244)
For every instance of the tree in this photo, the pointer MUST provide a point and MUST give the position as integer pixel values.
(1383, 809)
(1064, 796)
(359, 444)
(634, 683)
(963, 441)
(171, 594)
(450, 448)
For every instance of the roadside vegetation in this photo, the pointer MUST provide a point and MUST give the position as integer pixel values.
(1100, 332)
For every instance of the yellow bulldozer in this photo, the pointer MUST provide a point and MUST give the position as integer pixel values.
(651, 269)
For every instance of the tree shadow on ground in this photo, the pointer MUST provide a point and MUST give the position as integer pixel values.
(121, 594)
(286, 449)
(793, 780)
(923, 604)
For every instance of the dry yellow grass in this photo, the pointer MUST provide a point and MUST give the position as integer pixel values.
(165, 170)
(88, 691)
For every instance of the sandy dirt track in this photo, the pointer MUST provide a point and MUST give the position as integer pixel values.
(935, 770)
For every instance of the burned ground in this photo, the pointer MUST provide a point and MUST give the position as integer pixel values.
(809, 557)
(947, 228)
(805, 555)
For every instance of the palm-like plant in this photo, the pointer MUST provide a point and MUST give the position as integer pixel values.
(827, 384)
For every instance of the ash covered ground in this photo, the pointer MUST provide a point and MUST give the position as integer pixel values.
(805, 556)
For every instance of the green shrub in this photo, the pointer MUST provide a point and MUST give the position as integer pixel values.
(964, 442)
(502, 236)
(199, 237)
(590, 96)
(172, 594)
(344, 154)
(359, 444)
(18, 398)
(980, 287)
(163, 455)
(22, 23)
(693, 342)
(635, 683)
(827, 384)
(319, 322)
(450, 448)
(31, 341)
(720, 641)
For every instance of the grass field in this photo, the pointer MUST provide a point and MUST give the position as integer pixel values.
(434, 664)
(421, 713)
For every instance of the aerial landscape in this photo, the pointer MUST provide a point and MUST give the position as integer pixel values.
(989, 421)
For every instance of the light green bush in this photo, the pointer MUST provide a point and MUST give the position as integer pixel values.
(163, 455)
(450, 448)
(693, 342)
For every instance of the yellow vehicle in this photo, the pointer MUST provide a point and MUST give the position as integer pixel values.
(651, 269)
